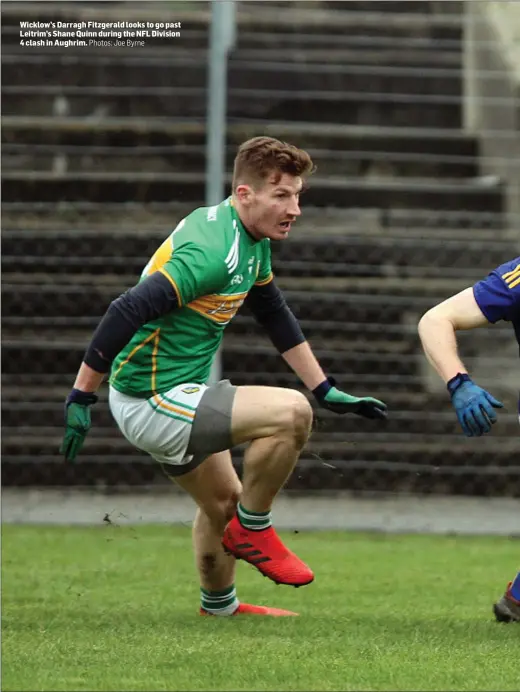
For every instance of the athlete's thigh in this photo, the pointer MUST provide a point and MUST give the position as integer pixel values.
(214, 480)
(265, 411)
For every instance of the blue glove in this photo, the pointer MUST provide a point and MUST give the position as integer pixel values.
(340, 402)
(473, 405)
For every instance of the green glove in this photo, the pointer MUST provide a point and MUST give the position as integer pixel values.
(77, 422)
(337, 401)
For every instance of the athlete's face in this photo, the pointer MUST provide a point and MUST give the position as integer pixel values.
(268, 211)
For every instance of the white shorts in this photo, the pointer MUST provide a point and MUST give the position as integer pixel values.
(160, 425)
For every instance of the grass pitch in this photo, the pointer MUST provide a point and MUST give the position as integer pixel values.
(116, 608)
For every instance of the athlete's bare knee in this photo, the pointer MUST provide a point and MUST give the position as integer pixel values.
(299, 418)
(229, 506)
(222, 507)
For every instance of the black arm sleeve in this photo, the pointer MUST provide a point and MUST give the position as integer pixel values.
(150, 299)
(269, 308)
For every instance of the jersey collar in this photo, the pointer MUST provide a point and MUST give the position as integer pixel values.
(243, 230)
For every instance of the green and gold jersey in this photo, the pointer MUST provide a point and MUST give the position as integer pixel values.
(212, 263)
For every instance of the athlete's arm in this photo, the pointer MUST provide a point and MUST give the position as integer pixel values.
(269, 308)
(303, 362)
(437, 329)
(193, 270)
(152, 298)
(494, 298)
(268, 305)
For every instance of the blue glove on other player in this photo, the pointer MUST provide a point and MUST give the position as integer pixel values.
(473, 405)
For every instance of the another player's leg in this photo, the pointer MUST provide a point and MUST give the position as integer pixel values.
(215, 487)
(507, 609)
(277, 422)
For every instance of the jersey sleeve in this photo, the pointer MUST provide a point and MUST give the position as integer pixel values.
(195, 271)
(265, 271)
(191, 263)
(498, 295)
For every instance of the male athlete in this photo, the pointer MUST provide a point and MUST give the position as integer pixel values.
(158, 341)
(497, 297)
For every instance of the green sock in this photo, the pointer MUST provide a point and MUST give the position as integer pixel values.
(219, 602)
(254, 521)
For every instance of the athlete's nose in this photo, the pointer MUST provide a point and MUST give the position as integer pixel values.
(294, 209)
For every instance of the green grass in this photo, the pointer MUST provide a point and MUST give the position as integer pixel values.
(115, 608)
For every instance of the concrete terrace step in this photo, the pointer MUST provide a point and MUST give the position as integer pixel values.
(30, 304)
(397, 8)
(425, 8)
(348, 77)
(29, 424)
(191, 70)
(388, 62)
(339, 20)
(159, 218)
(339, 50)
(26, 415)
(317, 277)
(61, 356)
(326, 191)
(365, 444)
(267, 47)
(55, 387)
(392, 255)
(189, 186)
(31, 300)
(400, 337)
(358, 475)
(191, 158)
(377, 108)
(367, 41)
(170, 131)
(45, 392)
(245, 333)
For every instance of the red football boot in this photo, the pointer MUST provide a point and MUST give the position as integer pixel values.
(265, 551)
(247, 609)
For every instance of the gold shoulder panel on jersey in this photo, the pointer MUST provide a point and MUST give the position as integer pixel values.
(160, 257)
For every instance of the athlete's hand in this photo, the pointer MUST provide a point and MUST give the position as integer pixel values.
(335, 400)
(77, 422)
(473, 405)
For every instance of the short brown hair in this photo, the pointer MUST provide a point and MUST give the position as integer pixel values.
(259, 157)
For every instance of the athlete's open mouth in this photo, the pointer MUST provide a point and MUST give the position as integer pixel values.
(285, 225)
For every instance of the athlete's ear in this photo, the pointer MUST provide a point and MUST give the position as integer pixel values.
(244, 194)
